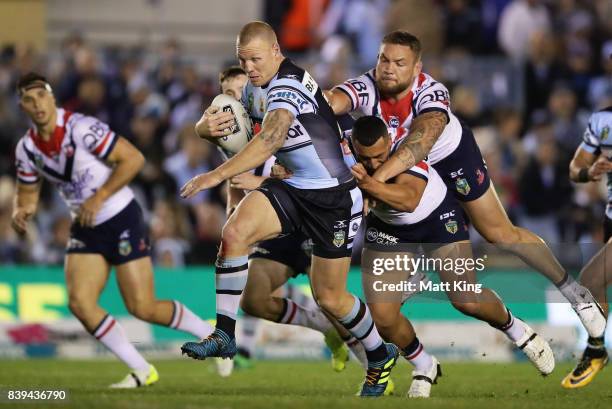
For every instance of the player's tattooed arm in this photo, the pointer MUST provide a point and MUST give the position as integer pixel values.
(422, 135)
(271, 138)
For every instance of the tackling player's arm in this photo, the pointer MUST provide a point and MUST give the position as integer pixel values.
(271, 138)
(339, 102)
(126, 161)
(588, 167)
(404, 194)
(25, 204)
(424, 131)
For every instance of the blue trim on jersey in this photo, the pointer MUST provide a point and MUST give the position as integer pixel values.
(67, 176)
(416, 174)
(110, 148)
(435, 109)
(349, 96)
(295, 147)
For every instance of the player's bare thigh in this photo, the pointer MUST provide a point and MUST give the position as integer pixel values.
(253, 220)
(265, 278)
(459, 252)
(490, 219)
(86, 276)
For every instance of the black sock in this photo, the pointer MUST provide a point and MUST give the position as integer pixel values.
(596, 347)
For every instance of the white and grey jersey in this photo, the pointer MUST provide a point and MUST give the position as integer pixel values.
(597, 140)
(312, 149)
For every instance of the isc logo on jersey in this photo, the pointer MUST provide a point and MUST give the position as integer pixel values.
(242, 131)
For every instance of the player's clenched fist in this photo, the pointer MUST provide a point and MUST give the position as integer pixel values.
(599, 168)
(215, 123)
(20, 219)
(200, 182)
(88, 210)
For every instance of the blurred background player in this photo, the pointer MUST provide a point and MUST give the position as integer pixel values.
(416, 208)
(273, 262)
(416, 109)
(320, 198)
(91, 167)
(590, 163)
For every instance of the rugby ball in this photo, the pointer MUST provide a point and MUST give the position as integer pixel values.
(242, 131)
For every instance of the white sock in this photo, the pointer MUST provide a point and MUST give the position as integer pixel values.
(417, 356)
(185, 320)
(110, 333)
(572, 290)
(513, 329)
(248, 335)
(295, 314)
(358, 350)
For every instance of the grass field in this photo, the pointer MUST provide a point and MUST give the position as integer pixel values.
(296, 385)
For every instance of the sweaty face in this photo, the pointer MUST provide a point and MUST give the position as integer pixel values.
(233, 86)
(396, 69)
(39, 104)
(371, 157)
(259, 59)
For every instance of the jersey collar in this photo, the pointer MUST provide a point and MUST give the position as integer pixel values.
(52, 147)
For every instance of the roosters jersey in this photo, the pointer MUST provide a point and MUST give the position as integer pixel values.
(73, 160)
(433, 196)
(425, 95)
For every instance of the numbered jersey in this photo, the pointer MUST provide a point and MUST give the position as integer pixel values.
(425, 95)
(312, 149)
(73, 160)
(597, 140)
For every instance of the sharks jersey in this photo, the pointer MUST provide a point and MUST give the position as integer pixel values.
(426, 95)
(311, 150)
(598, 141)
(73, 160)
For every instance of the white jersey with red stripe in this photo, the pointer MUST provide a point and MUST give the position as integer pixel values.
(426, 95)
(73, 160)
(434, 194)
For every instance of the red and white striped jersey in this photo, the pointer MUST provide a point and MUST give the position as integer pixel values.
(73, 160)
(426, 95)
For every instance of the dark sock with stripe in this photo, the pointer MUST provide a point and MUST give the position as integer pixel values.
(231, 277)
(596, 347)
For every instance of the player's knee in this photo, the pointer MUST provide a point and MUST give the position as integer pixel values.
(80, 305)
(232, 237)
(141, 309)
(468, 308)
(385, 321)
(253, 306)
(330, 302)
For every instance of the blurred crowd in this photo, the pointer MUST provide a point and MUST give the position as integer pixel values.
(559, 51)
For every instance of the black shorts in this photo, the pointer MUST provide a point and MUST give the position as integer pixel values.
(293, 251)
(120, 239)
(464, 171)
(607, 229)
(444, 225)
(330, 217)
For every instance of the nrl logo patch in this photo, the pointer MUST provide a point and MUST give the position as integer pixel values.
(463, 186)
(604, 133)
(451, 226)
(339, 238)
(125, 247)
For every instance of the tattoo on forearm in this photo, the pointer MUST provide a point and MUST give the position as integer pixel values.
(275, 127)
(423, 134)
